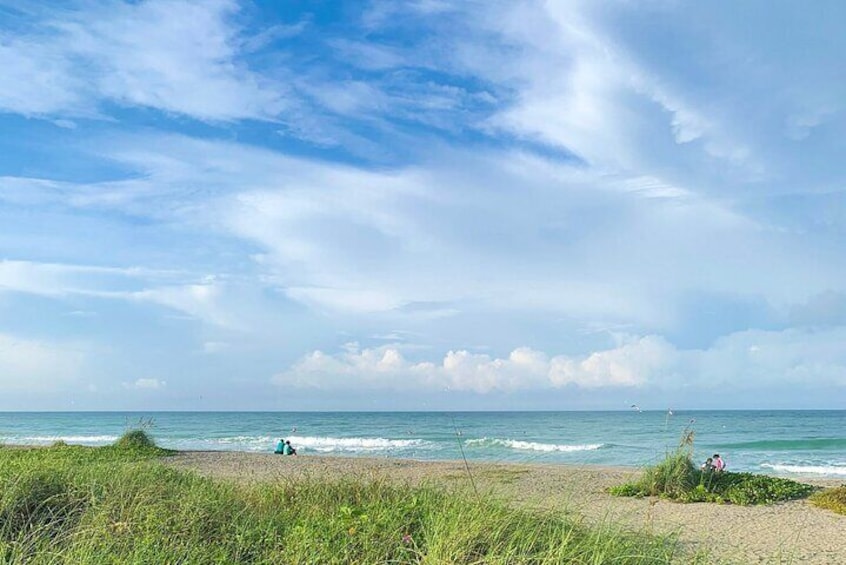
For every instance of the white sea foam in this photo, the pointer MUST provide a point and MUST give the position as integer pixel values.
(534, 446)
(354, 444)
(231, 443)
(240, 440)
(838, 470)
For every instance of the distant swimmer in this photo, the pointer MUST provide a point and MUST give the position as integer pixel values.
(294, 430)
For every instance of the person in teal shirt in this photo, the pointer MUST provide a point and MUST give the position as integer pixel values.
(280, 447)
(288, 449)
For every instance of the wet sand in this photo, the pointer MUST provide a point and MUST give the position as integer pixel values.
(791, 532)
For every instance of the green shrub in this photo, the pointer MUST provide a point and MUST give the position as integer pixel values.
(833, 499)
(676, 478)
(135, 439)
(747, 488)
(738, 488)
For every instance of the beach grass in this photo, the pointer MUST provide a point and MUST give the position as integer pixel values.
(833, 499)
(119, 504)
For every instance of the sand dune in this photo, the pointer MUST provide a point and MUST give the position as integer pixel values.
(793, 532)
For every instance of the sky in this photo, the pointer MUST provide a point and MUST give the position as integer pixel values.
(422, 205)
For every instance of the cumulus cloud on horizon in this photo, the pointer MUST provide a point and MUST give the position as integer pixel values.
(743, 359)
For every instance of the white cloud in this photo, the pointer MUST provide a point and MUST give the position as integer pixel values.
(631, 364)
(217, 302)
(735, 362)
(28, 364)
(460, 370)
(156, 54)
(146, 384)
(56, 279)
(503, 229)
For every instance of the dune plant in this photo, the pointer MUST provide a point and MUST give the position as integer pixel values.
(677, 478)
(135, 439)
(833, 499)
(114, 505)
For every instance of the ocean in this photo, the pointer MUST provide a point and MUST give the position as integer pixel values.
(785, 443)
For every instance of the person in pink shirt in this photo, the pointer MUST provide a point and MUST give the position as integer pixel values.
(718, 463)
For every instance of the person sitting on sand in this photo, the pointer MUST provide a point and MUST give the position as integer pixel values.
(708, 466)
(280, 447)
(289, 449)
(719, 464)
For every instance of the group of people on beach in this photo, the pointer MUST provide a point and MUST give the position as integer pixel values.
(713, 464)
(284, 447)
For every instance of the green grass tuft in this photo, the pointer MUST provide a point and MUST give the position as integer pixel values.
(833, 499)
(135, 439)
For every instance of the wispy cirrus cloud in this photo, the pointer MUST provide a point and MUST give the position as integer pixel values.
(560, 238)
(150, 54)
(218, 302)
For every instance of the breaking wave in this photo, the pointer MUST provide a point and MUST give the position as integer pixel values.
(836, 470)
(355, 444)
(533, 445)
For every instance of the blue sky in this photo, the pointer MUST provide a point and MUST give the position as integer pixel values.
(421, 205)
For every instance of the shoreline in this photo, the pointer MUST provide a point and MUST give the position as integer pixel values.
(792, 531)
(812, 479)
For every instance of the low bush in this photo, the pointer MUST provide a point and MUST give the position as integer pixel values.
(833, 499)
(677, 478)
(737, 488)
(135, 439)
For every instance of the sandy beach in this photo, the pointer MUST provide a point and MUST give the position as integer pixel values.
(793, 532)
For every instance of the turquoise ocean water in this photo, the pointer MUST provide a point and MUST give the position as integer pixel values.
(788, 443)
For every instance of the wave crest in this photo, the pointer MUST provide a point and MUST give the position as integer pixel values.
(353, 444)
(533, 445)
(838, 470)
